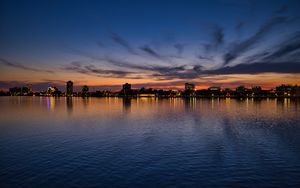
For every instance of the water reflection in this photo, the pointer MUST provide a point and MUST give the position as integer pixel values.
(126, 104)
(50, 103)
(115, 142)
(190, 104)
(69, 102)
(85, 101)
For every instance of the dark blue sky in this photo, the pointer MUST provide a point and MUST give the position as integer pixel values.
(107, 42)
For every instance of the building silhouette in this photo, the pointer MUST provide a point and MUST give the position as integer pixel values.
(214, 91)
(189, 90)
(29, 86)
(189, 87)
(85, 91)
(126, 90)
(69, 89)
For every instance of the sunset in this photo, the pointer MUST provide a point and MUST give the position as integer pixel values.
(151, 44)
(149, 93)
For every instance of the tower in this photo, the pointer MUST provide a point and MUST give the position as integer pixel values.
(69, 89)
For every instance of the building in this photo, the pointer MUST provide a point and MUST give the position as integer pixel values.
(126, 90)
(126, 87)
(189, 90)
(29, 86)
(15, 91)
(25, 90)
(85, 91)
(69, 89)
(189, 87)
(284, 90)
(214, 91)
(288, 91)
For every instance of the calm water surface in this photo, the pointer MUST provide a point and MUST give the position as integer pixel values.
(111, 142)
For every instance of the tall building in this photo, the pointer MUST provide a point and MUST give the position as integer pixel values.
(69, 89)
(126, 89)
(29, 86)
(189, 90)
(189, 87)
(85, 91)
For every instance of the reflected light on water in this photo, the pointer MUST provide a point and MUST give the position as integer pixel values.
(61, 142)
(50, 103)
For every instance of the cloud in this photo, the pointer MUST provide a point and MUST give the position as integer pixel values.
(179, 47)
(146, 69)
(204, 58)
(199, 71)
(122, 42)
(23, 67)
(93, 70)
(142, 71)
(172, 69)
(256, 68)
(157, 72)
(239, 48)
(117, 73)
(151, 52)
(256, 57)
(289, 46)
(107, 59)
(217, 36)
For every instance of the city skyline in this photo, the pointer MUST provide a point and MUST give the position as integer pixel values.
(190, 91)
(161, 45)
(70, 87)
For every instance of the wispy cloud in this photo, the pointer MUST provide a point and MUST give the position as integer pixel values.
(210, 58)
(152, 52)
(106, 59)
(285, 48)
(93, 70)
(239, 48)
(21, 66)
(179, 47)
(123, 42)
(256, 68)
(217, 36)
(259, 62)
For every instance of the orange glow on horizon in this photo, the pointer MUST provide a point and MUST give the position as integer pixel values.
(266, 80)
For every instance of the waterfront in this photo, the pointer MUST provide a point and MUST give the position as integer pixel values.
(149, 142)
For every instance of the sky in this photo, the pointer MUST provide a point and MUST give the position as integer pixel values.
(158, 44)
